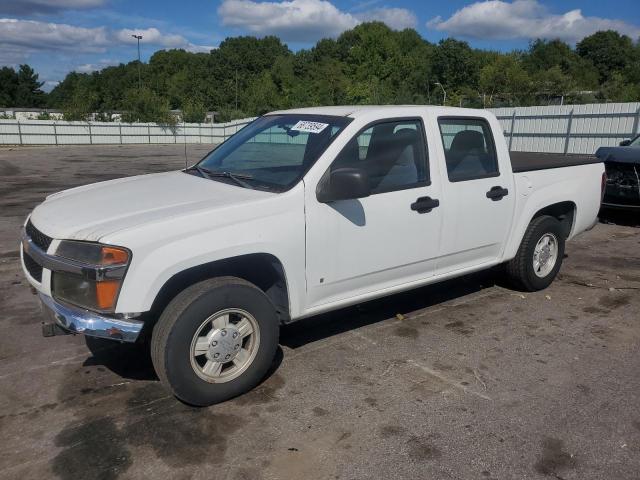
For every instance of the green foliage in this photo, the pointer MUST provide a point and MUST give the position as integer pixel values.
(144, 105)
(193, 111)
(608, 51)
(370, 64)
(43, 116)
(21, 88)
(81, 104)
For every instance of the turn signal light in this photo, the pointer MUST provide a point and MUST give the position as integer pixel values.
(114, 256)
(106, 293)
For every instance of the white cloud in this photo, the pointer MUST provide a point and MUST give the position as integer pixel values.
(304, 20)
(34, 35)
(155, 37)
(396, 18)
(23, 37)
(92, 67)
(29, 7)
(497, 19)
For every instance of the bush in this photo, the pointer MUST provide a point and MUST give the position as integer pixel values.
(193, 111)
(143, 105)
(81, 105)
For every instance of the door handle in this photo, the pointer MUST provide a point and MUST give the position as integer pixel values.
(424, 204)
(496, 193)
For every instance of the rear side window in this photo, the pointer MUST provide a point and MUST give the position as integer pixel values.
(468, 148)
(391, 152)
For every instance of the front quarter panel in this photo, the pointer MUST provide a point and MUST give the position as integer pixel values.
(274, 225)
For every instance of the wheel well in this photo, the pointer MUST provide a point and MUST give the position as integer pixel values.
(263, 270)
(563, 211)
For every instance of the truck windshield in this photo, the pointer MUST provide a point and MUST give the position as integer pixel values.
(273, 152)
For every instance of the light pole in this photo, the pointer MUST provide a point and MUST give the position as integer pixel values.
(138, 38)
(444, 99)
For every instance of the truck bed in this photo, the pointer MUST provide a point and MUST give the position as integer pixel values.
(531, 161)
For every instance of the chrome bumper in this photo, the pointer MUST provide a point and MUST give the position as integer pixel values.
(77, 320)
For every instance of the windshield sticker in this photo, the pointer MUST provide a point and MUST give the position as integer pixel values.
(309, 127)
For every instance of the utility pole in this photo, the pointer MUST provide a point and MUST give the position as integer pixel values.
(444, 99)
(138, 38)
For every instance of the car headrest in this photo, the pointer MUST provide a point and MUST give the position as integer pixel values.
(467, 141)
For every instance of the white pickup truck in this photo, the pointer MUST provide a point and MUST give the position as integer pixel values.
(300, 212)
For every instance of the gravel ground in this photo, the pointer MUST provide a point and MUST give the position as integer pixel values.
(463, 380)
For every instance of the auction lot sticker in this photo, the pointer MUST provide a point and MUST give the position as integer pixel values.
(309, 127)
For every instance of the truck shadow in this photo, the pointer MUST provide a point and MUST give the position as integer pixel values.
(620, 217)
(134, 361)
(327, 325)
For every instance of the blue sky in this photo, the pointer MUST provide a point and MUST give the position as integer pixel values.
(58, 36)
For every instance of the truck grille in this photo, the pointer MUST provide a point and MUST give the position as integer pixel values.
(623, 183)
(40, 239)
(32, 267)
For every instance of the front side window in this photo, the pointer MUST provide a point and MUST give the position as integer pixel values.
(635, 142)
(468, 148)
(274, 151)
(392, 153)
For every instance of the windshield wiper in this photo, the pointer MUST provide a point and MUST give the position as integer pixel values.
(203, 172)
(236, 177)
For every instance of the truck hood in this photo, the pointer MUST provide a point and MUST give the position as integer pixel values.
(92, 211)
(619, 154)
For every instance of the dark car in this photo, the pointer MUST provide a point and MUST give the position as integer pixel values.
(622, 165)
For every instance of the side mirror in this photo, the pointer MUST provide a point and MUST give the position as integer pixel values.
(343, 184)
(625, 143)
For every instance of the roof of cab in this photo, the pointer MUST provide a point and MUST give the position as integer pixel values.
(356, 110)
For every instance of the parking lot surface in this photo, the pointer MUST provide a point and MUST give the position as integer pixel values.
(463, 380)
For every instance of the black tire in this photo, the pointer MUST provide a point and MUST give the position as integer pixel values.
(172, 336)
(520, 269)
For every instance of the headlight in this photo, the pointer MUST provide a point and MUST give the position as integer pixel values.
(96, 283)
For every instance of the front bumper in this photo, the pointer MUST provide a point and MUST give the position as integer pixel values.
(612, 205)
(77, 320)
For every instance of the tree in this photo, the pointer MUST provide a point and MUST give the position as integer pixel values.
(143, 105)
(504, 77)
(455, 64)
(193, 111)
(608, 50)
(8, 86)
(370, 63)
(28, 91)
(81, 105)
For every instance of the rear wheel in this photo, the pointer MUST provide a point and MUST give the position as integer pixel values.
(540, 255)
(215, 340)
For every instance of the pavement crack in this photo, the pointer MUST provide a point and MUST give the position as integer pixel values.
(446, 380)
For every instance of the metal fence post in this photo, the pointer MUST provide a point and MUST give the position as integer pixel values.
(90, 137)
(55, 133)
(636, 124)
(19, 132)
(149, 133)
(568, 136)
(120, 131)
(513, 122)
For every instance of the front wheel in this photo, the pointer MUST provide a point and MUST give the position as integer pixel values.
(540, 255)
(215, 340)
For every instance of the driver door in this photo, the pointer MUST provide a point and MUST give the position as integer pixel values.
(361, 247)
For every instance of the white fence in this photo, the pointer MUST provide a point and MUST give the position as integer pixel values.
(51, 132)
(560, 129)
(569, 128)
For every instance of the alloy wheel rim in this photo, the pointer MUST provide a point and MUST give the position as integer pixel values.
(224, 345)
(545, 255)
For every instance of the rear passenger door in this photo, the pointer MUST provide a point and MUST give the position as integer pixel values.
(478, 198)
